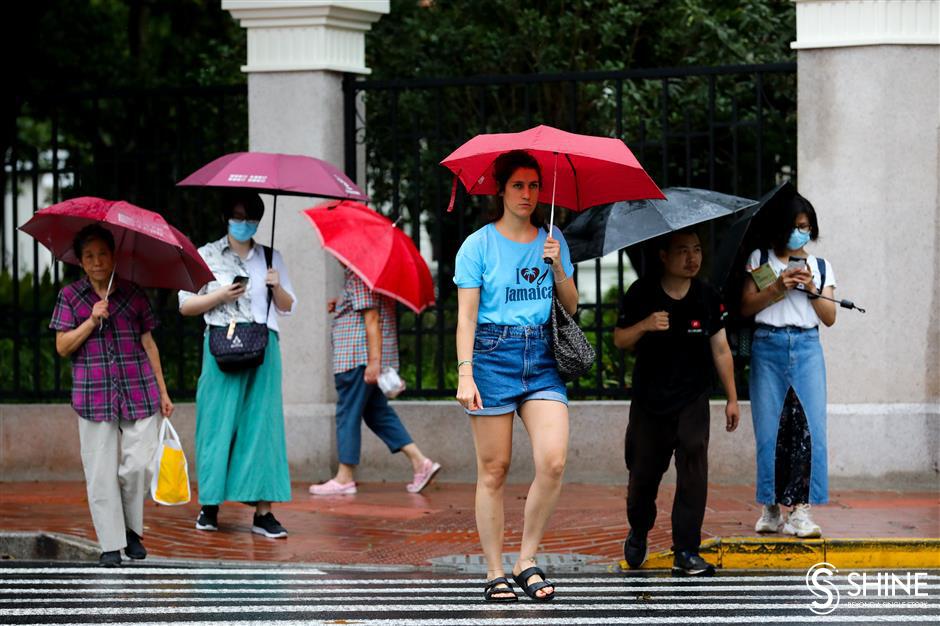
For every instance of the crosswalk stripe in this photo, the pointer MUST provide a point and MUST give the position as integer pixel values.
(548, 621)
(475, 606)
(166, 571)
(718, 581)
(245, 596)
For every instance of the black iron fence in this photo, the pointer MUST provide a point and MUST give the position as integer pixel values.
(124, 144)
(731, 129)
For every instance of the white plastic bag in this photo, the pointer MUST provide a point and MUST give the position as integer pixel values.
(390, 382)
(170, 482)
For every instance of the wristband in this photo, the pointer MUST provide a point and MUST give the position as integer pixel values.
(464, 362)
(558, 282)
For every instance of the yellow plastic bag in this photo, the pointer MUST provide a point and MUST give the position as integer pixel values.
(170, 482)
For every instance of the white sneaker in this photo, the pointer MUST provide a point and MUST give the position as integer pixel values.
(800, 524)
(771, 521)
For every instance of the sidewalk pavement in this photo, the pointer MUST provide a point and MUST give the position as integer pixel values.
(385, 525)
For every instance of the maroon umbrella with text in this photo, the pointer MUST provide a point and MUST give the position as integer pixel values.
(148, 250)
(278, 174)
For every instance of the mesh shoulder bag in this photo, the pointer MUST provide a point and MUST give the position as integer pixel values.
(239, 347)
(573, 353)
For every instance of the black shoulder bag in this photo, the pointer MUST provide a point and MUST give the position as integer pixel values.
(573, 353)
(239, 347)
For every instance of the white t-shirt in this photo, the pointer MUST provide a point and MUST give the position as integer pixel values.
(795, 309)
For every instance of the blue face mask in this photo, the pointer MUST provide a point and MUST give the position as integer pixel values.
(797, 239)
(242, 230)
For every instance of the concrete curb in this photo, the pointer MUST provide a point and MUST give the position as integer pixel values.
(781, 553)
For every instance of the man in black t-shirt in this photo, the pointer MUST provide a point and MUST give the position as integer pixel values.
(675, 325)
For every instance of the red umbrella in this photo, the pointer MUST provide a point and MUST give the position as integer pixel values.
(590, 170)
(278, 174)
(384, 257)
(148, 251)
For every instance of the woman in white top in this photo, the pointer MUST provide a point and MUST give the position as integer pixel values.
(241, 449)
(788, 373)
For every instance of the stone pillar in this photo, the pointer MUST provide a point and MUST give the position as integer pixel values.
(869, 161)
(298, 51)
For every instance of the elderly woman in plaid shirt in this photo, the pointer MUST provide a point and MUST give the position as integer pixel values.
(117, 390)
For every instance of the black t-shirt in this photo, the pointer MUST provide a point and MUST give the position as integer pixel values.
(673, 367)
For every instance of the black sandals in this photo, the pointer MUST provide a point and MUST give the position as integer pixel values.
(498, 585)
(532, 590)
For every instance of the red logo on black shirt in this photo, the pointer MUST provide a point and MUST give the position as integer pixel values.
(695, 327)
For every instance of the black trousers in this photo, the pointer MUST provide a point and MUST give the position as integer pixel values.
(651, 440)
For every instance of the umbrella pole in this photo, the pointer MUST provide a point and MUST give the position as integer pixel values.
(273, 219)
(551, 219)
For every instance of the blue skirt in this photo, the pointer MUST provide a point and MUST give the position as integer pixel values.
(782, 358)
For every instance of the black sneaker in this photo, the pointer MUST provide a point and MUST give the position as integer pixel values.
(208, 518)
(688, 563)
(111, 558)
(134, 549)
(268, 526)
(635, 549)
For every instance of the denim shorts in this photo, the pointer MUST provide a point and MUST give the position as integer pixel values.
(513, 364)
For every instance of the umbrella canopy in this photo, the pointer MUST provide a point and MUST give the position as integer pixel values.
(148, 251)
(751, 229)
(280, 174)
(590, 170)
(384, 257)
(611, 227)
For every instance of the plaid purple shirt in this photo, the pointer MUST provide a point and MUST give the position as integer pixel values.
(111, 374)
(350, 349)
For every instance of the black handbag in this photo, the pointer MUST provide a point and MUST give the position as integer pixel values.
(241, 346)
(573, 353)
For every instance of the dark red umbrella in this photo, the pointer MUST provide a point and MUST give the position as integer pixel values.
(384, 257)
(278, 174)
(581, 170)
(148, 251)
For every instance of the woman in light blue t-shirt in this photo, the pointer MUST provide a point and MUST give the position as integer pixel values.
(505, 365)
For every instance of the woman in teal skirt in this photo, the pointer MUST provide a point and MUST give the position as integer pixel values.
(241, 452)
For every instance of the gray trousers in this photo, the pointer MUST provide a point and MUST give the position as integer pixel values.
(116, 457)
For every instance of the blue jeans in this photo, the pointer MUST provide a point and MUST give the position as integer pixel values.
(359, 401)
(782, 358)
(514, 364)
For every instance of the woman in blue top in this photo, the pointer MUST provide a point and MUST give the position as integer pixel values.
(505, 364)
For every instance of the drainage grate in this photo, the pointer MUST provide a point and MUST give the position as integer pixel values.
(42, 546)
(551, 562)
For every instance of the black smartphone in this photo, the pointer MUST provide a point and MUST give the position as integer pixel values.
(240, 280)
(797, 263)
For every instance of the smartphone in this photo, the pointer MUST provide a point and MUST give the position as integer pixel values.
(240, 280)
(797, 263)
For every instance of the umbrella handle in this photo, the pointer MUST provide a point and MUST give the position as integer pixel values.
(551, 219)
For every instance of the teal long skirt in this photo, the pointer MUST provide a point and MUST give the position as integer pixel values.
(241, 451)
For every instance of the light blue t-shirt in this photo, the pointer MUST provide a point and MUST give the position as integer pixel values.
(515, 282)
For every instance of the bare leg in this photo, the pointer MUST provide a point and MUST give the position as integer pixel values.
(547, 424)
(492, 436)
(345, 473)
(263, 508)
(415, 456)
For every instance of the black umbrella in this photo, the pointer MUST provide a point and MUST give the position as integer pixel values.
(606, 228)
